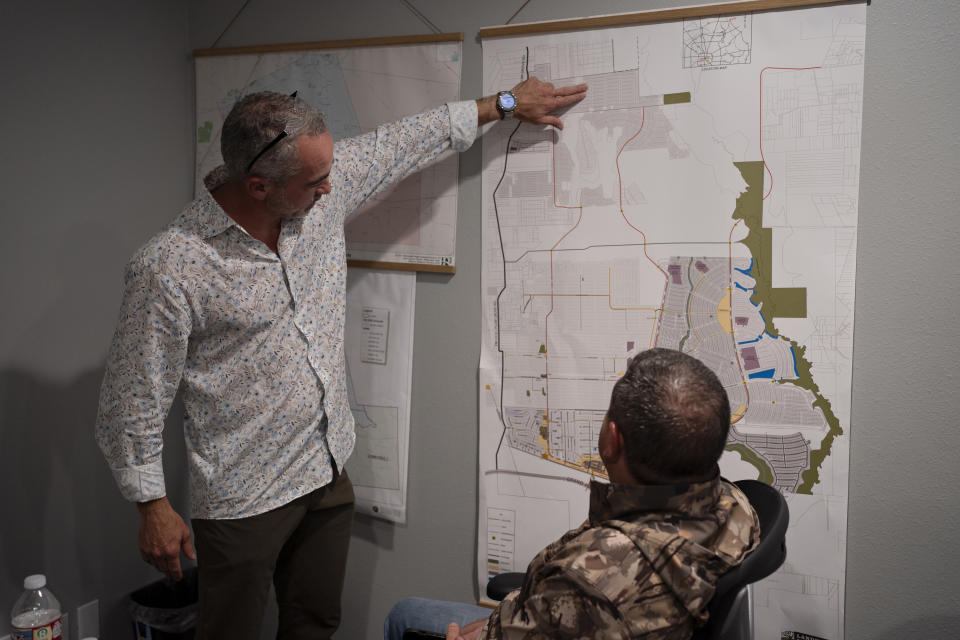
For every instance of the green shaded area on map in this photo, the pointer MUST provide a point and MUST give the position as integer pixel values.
(750, 457)
(687, 315)
(811, 475)
(676, 98)
(204, 132)
(788, 302)
(780, 303)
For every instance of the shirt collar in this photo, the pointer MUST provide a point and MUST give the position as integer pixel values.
(210, 216)
(615, 501)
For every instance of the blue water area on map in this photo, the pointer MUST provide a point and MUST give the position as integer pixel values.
(318, 79)
(746, 271)
(766, 373)
(741, 287)
(793, 352)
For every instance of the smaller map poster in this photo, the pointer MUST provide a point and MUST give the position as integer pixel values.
(379, 346)
(410, 226)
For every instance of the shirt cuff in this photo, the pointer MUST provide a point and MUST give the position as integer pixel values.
(140, 484)
(463, 124)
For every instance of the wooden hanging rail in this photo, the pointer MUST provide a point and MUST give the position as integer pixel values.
(659, 15)
(332, 44)
(403, 266)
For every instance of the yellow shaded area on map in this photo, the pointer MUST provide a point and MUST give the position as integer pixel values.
(543, 435)
(723, 313)
(588, 463)
(738, 413)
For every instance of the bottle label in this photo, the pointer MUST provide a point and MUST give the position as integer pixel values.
(49, 631)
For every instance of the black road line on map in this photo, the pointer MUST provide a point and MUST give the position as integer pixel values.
(536, 475)
(503, 255)
(607, 246)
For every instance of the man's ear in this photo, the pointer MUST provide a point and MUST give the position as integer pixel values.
(256, 187)
(613, 446)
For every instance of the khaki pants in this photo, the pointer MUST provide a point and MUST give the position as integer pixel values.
(301, 547)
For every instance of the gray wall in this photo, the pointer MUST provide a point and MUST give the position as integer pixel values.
(96, 121)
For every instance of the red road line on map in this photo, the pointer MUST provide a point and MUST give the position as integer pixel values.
(643, 119)
(643, 112)
(769, 173)
(736, 351)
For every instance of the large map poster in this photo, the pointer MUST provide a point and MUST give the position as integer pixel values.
(703, 197)
(412, 224)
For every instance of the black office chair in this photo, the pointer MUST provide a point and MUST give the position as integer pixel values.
(770, 553)
(728, 600)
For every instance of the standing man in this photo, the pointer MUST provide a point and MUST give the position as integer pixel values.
(241, 302)
(658, 536)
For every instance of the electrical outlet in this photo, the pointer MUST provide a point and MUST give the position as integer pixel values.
(88, 620)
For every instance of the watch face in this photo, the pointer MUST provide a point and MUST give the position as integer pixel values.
(507, 101)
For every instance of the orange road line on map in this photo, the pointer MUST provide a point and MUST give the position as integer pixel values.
(681, 313)
(769, 173)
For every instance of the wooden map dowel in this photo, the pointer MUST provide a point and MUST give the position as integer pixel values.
(663, 15)
(426, 38)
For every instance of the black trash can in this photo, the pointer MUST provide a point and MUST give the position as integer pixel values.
(165, 610)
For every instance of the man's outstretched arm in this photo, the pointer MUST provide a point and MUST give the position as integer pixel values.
(536, 102)
(368, 163)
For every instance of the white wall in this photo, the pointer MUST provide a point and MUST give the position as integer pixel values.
(96, 123)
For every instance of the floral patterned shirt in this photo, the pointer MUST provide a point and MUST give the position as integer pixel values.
(255, 338)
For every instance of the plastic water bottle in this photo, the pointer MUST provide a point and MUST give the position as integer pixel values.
(36, 613)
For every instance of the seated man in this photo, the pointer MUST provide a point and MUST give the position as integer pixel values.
(646, 561)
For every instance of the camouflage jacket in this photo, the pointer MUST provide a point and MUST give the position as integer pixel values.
(644, 565)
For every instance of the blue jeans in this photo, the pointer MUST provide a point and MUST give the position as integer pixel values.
(429, 615)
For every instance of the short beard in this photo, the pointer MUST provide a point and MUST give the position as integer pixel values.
(278, 205)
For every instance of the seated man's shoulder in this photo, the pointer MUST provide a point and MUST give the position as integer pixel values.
(604, 570)
(603, 557)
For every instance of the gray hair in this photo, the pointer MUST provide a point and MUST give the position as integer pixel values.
(254, 122)
(673, 413)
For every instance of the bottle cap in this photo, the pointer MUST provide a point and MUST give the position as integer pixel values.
(36, 581)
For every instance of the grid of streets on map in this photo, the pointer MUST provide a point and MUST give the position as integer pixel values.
(717, 41)
(569, 320)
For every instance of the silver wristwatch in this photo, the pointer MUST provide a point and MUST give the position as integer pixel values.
(506, 104)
